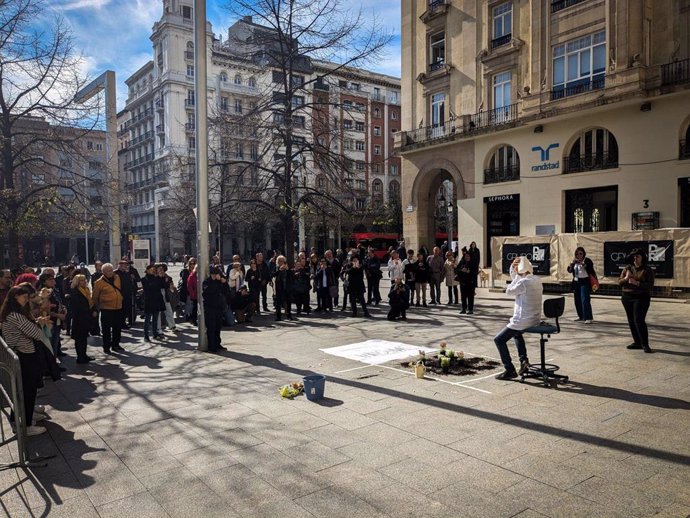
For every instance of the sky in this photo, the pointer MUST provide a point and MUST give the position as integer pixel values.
(114, 34)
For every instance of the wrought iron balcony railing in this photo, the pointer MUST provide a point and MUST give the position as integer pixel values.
(437, 65)
(500, 41)
(684, 150)
(558, 5)
(590, 162)
(577, 87)
(504, 174)
(675, 73)
(494, 117)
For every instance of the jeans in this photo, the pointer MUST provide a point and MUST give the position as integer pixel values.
(373, 292)
(501, 341)
(169, 317)
(229, 317)
(111, 328)
(151, 321)
(435, 287)
(636, 307)
(452, 294)
(420, 287)
(55, 340)
(583, 305)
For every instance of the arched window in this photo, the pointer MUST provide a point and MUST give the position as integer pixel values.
(684, 147)
(376, 193)
(189, 52)
(238, 79)
(251, 82)
(223, 77)
(593, 149)
(503, 166)
(394, 190)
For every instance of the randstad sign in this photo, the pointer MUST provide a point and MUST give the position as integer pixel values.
(544, 157)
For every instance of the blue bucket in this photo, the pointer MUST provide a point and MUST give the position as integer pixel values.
(314, 386)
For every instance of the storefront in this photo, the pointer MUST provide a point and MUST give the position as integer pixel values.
(502, 219)
(684, 201)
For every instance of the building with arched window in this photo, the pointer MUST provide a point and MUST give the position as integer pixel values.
(549, 117)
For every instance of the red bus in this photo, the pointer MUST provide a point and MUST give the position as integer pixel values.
(379, 242)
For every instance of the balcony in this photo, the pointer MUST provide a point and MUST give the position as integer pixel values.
(189, 126)
(436, 8)
(160, 129)
(675, 73)
(494, 117)
(559, 5)
(159, 105)
(189, 103)
(578, 87)
(500, 41)
(504, 174)
(684, 150)
(139, 161)
(141, 138)
(590, 162)
(319, 85)
(430, 133)
(189, 54)
(437, 65)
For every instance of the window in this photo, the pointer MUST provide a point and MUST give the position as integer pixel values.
(191, 143)
(224, 104)
(359, 126)
(186, 12)
(504, 166)
(437, 49)
(237, 80)
(377, 193)
(238, 105)
(376, 168)
(297, 101)
(593, 150)
(394, 115)
(394, 169)
(298, 121)
(239, 151)
(251, 83)
(359, 166)
(38, 178)
(89, 145)
(377, 150)
(355, 86)
(579, 65)
(502, 24)
(347, 124)
(254, 151)
(347, 144)
(321, 182)
(297, 81)
(501, 87)
(377, 131)
(190, 70)
(223, 77)
(591, 210)
(377, 113)
(359, 145)
(394, 190)
(438, 113)
(360, 184)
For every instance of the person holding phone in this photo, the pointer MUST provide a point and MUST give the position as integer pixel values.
(582, 268)
(637, 281)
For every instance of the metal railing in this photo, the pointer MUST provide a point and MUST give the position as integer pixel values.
(144, 228)
(160, 129)
(501, 40)
(430, 133)
(189, 126)
(139, 161)
(578, 87)
(436, 5)
(590, 162)
(675, 73)
(159, 104)
(494, 117)
(140, 138)
(504, 174)
(189, 103)
(558, 5)
(437, 65)
(684, 150)
(189, 54)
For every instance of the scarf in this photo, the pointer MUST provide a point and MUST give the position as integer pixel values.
(85, 291)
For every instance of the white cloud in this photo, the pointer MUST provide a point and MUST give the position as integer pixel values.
(82, 4)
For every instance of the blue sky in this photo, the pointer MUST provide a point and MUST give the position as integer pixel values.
(114, 34)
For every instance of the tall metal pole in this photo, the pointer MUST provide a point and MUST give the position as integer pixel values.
(86, 237)
(113, 169)
(201, 160)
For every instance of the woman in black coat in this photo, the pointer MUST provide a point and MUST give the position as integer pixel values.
(466, 276)
(283, 287)
(302, 286)
(154, 302)
(82, 316)
(356, 287)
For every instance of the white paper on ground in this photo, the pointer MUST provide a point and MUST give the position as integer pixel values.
(376, 352)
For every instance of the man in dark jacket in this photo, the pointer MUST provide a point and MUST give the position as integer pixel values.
(372, 269)
(283, 282)
(356, 286)
(242, 305)
(213, 309)
(264, 277)
(128, 293)
(153, 302)
(398, 301)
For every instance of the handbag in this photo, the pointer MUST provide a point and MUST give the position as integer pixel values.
(594, 282)
(333, 291)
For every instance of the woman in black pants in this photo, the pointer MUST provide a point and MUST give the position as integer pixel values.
(82, 316)
(23, 333)
(637, 280)
(466, 275)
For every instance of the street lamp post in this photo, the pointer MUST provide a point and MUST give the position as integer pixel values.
(451, 212)
(106, 81)
(156, 219)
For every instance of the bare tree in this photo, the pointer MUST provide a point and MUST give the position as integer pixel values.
(294, 131)
(40, 122)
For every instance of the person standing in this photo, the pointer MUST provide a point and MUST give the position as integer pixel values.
(435, 262)
(5, 284)
(302, 285)
(582, 267)
(355, 277)
(213, 309)
(107, 298)
(421, 278)
(527, 289)
(20, 330)
(449, 274)
(265, 279)
(253, 280)
(129, 289)
(153, 302)
(283, 282)
(637, 281)
(410, 269)
(192, 287)
(372, 268)
(476, 258)
(466, 277)
(323, 280)
(98, 273)
(58, 312)
(170, 297)
(335, 265)
(83, 314)
(396, 268)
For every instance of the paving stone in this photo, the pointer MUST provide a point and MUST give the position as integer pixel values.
(332, 436)
(348, 419)
(316, 456)
(419, 475)
(113, 485)
(141, 505)
(337, 503)
(631, 500)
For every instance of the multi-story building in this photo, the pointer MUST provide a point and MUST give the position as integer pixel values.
(158, 130)
(549, 116)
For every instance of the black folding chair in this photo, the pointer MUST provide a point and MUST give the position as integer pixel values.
(553, 308)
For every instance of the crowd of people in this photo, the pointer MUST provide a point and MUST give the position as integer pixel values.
(38, 306)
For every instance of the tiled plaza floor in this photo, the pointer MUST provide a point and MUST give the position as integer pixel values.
(166, 431)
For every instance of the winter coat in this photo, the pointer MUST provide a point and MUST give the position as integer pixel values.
(192, 286)
(301, 282)
(449, 273)
(423, 272)
(153, 298)
(283, 283)
(214, 301)
(355, 278)
(82, 313)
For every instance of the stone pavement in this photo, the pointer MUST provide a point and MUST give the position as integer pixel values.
(167, 431)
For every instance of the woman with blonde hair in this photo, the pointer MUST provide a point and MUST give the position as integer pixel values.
(82, 315)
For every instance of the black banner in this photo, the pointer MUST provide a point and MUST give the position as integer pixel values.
(659, 257)
(537, 253)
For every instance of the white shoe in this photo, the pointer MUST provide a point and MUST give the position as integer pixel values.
(589, 321)
(34, 430)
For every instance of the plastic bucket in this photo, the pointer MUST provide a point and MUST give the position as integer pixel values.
(314, 386)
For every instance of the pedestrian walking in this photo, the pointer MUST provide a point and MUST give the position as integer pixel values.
(637, 281)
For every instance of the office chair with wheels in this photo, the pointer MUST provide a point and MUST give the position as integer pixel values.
(553, 308)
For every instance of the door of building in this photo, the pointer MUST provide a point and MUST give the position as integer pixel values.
(502, 219)
(684, 192)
